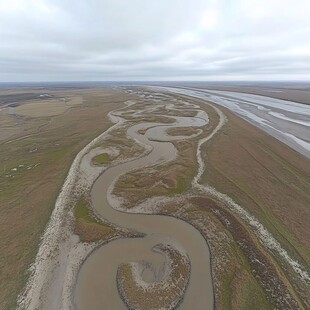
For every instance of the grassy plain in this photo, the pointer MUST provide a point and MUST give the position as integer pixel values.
(34, 162)
(50, 107)
(270, 180)
(261, 174)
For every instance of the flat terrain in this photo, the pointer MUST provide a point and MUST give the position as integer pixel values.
(35, 154)
(50, 107)
(268, 179)
(292, 91)
(272, 180)
(44, 129)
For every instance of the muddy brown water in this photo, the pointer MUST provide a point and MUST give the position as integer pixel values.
(96, 282)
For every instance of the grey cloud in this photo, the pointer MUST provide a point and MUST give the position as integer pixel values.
(42, 40)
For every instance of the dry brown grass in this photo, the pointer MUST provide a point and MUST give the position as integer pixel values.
(90, 229)
(182, 131)
(234, 283)
(27, 196)
(128, 148)
(267, 177)
(185, 113)
(151, 119)
(263, 268)
(163, 294)
(92, 232)
(248, 165)
(271, 181)
(50, 107)
(166, 179)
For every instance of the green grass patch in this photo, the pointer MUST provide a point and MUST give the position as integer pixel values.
(82, 212)
(101, 159)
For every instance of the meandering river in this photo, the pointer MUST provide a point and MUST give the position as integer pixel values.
(96, 283)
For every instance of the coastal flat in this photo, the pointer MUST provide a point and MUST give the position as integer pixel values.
(290, 91)
(35, 154)
(266, 178)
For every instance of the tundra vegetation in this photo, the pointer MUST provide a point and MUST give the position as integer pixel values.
(264, 176)
(35, 154)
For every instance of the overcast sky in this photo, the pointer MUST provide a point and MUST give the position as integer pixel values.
(67, 40)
